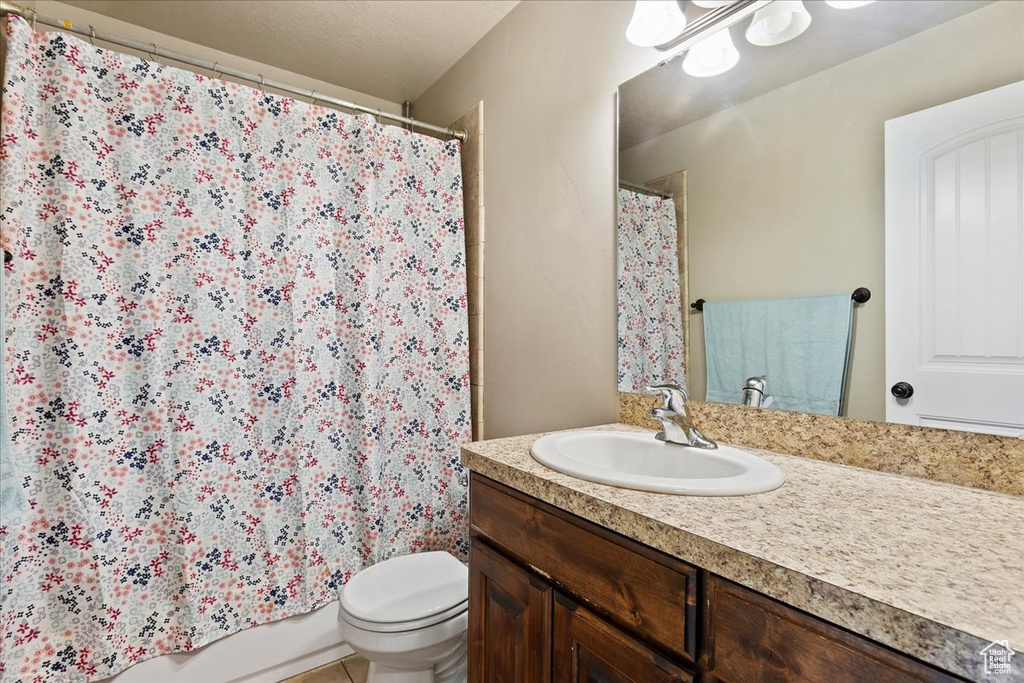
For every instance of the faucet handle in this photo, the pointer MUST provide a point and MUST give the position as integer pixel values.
(674, 395)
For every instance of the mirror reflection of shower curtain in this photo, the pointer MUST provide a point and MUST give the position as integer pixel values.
(650, 318)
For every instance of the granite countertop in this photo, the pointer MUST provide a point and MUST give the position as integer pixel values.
(930, 569)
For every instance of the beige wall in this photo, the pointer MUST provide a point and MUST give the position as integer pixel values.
(786, 190)
(547, 74)
(108, 25)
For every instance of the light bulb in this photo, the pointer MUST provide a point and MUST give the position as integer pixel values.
(712, 56)
(848, 4)
(655, 22)
(778, 22)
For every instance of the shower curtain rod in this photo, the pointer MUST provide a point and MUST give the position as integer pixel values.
(153, 51)
(643, 188)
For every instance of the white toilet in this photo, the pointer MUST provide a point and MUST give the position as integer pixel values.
(408, 616)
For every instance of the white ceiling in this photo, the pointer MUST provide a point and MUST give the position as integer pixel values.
(665, 97)
(392, 49)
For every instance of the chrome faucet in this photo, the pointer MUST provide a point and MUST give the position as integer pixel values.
(676, 423)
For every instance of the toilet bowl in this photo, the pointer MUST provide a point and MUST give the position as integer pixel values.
(408, 616)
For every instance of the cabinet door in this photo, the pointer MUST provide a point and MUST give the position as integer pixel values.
(588, 649)
(754, 639)
(509, 621)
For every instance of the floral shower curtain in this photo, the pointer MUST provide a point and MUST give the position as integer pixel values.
(235, 363)
(650, 316)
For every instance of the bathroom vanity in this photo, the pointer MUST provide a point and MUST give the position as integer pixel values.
(840, 575)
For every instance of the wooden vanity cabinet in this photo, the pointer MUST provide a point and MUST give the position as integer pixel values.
(555, 598)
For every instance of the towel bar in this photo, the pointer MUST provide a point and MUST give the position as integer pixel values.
(860, 295)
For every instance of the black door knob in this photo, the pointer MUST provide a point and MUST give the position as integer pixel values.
(902, 390)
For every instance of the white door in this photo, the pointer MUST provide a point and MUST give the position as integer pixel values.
(954, 264)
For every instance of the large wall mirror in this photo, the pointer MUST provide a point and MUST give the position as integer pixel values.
(765, 191)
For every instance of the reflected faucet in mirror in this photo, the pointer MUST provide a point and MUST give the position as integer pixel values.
(676, 420)
(754, 392)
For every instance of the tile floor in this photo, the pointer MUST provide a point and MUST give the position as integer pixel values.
(349, 670)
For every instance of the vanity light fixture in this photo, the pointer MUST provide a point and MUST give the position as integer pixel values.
(714, 55)
(847, 4)
(781, 21)
(711, 4)
(655, 22)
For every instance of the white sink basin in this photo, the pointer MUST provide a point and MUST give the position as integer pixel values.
(639, 461)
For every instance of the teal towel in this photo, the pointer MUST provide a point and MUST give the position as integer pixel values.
(801, 344)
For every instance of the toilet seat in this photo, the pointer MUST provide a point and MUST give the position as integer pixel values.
(406, 593)
(397, 626)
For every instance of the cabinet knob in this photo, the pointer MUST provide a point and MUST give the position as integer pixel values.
(902, 390)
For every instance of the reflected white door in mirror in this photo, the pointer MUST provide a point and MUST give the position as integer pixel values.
(954, 237)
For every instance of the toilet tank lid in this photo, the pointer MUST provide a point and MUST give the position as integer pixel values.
(406, 588)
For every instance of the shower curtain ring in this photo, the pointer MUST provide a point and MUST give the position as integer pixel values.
(262, 84)
(216, 74)
(312, 96)
(92, 35)
(35, 14)
(151, 57)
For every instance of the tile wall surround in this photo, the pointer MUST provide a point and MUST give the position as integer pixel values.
(983, 461)
(473, 200)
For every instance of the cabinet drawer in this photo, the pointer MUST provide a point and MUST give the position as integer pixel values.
(646, 593)
(755, 639)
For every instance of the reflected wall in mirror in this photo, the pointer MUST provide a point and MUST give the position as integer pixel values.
(785, 197)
